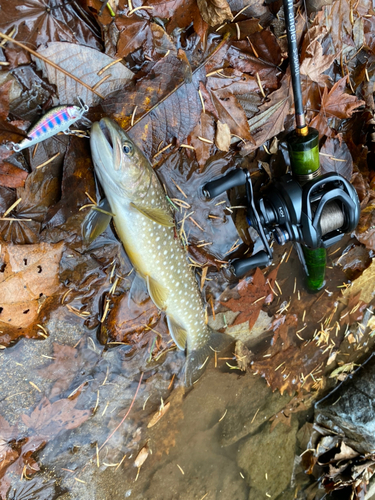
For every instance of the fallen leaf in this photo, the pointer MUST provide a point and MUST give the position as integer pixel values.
(335, 103)
(158, 415)
(129, 322)
(42, 21)
(364, 284)
(335, 157)
(205, 129)
(354, 310)
(134, 31)
(29, 275)
(223, 136)
(67, 363)
(141, 457)
(49, 419)
(289, 367)
(270, 120)
(163, 115)
(252, 294)
(215, 11)
(315, 63)
(84, 63)
(230, 111)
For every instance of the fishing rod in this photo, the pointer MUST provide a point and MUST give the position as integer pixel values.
(312, 210)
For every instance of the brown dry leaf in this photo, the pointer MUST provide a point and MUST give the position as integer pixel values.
(42, 21)
(215, 11)
(223, 136)
(335, 103)
(29, 275)
(48, 419)
(315, 63)
(252, 294)
(204, 129)
(141, 457)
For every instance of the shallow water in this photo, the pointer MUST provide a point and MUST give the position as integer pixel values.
(216, 440)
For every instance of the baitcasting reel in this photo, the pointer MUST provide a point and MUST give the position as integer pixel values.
(317, 214)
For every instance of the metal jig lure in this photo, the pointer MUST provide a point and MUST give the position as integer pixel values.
(56, 120)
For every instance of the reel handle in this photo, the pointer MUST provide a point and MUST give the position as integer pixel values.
(228, 181)
(240, 267)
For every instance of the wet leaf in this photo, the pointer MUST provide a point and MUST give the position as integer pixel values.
(42, 21)
(49, 419)
(289, 367)
(270, 120)
(84, 63)
(204, 129)
(163, 115)
(159, 414)
(67, 363)
(134, 32)
(128, 321)
(215, 11)
(29, 276)
(251, 295)
(335, 103)
(335, 157)
(35, 489)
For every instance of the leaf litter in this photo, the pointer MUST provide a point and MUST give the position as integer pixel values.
(172, 74)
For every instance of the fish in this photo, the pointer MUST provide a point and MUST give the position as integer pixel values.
(144, 223)
(56, 120)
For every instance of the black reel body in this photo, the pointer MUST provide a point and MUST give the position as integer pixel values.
(317, 214)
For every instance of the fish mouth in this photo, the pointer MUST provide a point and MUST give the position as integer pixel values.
(107, 131)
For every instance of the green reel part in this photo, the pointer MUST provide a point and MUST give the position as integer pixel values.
(304, 154)
(315, 260)
(304, 161)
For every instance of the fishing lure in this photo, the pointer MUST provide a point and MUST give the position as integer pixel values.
(56, 120)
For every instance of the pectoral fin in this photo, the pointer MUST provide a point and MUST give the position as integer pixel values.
(157, 215)
(157, 292)
(96, 221)
(178, 333)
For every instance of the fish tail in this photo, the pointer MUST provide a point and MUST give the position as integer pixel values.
(198, 359)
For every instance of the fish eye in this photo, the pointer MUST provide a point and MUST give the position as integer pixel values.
(127, 148)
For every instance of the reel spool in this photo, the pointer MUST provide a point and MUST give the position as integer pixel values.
(316, 215)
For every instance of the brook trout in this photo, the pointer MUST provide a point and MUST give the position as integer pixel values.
(145, 225)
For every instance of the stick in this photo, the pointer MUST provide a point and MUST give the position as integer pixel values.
(127, 413)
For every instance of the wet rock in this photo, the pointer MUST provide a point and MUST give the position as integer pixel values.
(252, 407)
(266, 460)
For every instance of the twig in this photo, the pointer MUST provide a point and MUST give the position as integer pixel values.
(127, 413)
